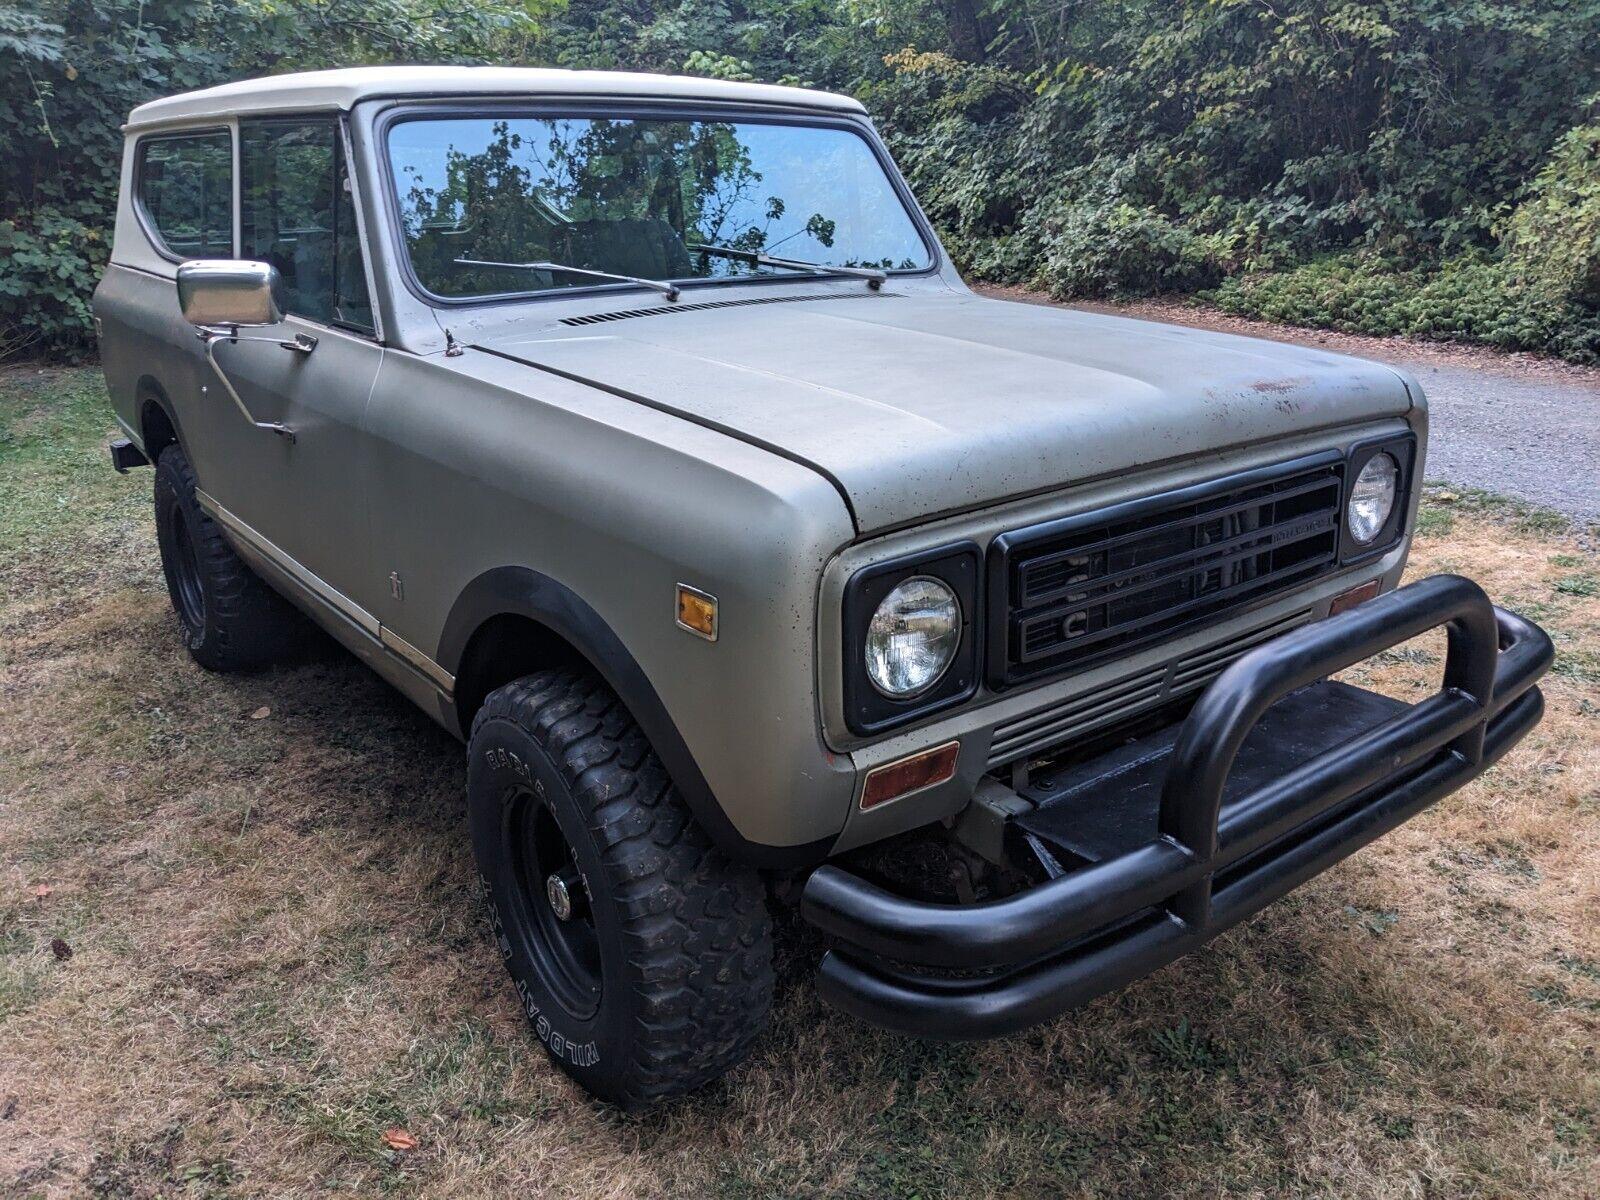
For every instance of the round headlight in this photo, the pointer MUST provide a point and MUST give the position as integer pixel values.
(912, 637)
(1372, 498)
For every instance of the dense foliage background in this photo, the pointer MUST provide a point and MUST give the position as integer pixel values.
(1412, 166)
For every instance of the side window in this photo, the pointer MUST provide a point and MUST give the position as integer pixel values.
(185, 187)
(296, 213)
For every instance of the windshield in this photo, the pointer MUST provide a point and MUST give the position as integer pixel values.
(636, 196)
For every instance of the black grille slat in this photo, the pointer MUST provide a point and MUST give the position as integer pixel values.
(1180, 610)
(1211, 556)
(1076, 591)
(1037, 730)
(1033, 593)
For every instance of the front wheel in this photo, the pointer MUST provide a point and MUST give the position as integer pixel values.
(641, 954)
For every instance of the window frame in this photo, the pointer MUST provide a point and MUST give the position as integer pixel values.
(147, 222)
(343, 160)
(532, 107)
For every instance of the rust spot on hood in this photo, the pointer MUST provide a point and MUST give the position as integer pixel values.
(1279, 387)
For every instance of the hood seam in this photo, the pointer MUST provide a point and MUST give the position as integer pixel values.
(693, 419)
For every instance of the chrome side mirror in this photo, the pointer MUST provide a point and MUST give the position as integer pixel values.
(223, 292)
(217, 296)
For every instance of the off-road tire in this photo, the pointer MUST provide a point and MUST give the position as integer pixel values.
(230, 620)
(684, 939)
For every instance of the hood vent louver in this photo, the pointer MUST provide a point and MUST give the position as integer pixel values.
(664, 309)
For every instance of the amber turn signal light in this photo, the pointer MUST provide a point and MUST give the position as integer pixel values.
(896, 779)
(1355, 596)
(697, 612)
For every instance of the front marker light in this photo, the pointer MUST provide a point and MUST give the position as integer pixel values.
(912, 637)
(697, 612)
(907, 775)
(1372, 498)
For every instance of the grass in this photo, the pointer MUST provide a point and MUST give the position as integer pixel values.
(277, 952)
(1443, 503)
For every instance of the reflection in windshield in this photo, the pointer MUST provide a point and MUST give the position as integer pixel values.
(631, 196)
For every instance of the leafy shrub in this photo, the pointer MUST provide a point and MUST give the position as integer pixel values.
(1113, 243)
(1415, 166)
(1333, 162)
(1539, 290)
(1553, 238)
(71, 70)
(47, 272)
(1471, 297)
(717, 66)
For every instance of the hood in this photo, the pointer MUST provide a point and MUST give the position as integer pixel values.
(922, 404)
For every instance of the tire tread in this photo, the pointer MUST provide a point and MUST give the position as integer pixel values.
(249, 625)
(697, 930)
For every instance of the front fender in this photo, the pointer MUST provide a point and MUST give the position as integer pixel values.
(524, 592)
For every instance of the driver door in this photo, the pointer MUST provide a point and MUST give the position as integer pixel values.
(302, 502)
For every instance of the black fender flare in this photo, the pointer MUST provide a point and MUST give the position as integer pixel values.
(524, 592)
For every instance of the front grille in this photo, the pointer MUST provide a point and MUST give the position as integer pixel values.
(1077, 718)
(1076, 591)
(1121, 702)
(1201, 668)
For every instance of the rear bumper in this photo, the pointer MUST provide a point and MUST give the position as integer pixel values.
(1218, 850)
(125, 456)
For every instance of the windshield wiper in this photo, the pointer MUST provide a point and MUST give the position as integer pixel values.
(669, 290)
(875, 278)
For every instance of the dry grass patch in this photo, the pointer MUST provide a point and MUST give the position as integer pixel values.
(276, 952)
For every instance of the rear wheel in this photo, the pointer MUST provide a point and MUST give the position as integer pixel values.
(641, 954)
(229, 618)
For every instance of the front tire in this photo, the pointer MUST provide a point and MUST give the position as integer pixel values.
(229, 618)
(641, 954)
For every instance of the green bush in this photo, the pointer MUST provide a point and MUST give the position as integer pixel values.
(1471, 297)
(1410, 166)
(1538, 290)
(1324, 161)
(47, 271)
(1552, 240)
(71, 70)
(1114, 245)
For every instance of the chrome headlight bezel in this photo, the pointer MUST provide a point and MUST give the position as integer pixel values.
(868, 708)
(1403, 450)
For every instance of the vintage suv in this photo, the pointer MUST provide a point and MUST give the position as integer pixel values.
(639, 430)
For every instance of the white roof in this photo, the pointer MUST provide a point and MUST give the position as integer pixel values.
(324, 90)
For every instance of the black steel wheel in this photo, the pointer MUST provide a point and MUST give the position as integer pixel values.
(188, 599)
(554, 912)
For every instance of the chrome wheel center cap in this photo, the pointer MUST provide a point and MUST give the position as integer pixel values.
(555, 890)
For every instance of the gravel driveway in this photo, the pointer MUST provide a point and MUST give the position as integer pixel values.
(1515, 424)
(1514, 432)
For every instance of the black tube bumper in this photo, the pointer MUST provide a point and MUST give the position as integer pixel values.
(1215, 854)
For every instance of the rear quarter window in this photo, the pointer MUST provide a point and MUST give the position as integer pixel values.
(184, 190)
